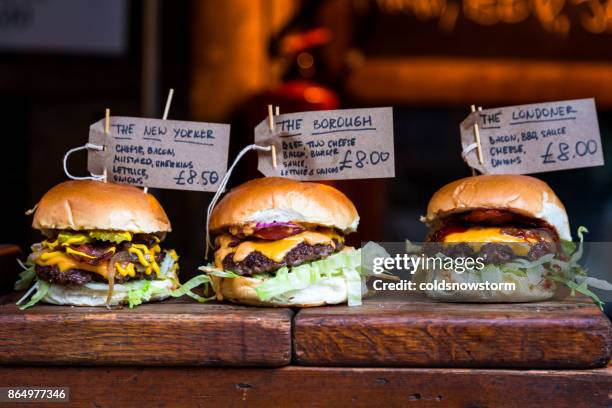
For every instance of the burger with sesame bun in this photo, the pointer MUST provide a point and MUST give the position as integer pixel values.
(280, 242)
(516, 226)
(102, 246)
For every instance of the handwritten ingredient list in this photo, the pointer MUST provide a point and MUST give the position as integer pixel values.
(160, 153)
(535, 138)
(329, 145)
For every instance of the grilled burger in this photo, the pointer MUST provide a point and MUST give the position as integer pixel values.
(510, 222)
(102, 246)
(280, 242)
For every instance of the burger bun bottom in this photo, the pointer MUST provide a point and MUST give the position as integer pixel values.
(525, 291)
(327, 291)
(94, 294)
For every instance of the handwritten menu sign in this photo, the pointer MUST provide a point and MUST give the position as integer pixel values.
(535, 138)
(329, 145)
(161, 153)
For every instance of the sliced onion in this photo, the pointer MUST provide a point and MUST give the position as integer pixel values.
(119, 257)
(276, 230)
(37, 250)
(275, 224)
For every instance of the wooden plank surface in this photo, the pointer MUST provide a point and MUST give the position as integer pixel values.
(419, 333)
(317, 387)
(174, 332)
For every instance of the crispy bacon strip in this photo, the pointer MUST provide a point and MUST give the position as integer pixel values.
(100, 253)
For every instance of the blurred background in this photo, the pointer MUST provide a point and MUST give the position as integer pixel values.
(62, 62)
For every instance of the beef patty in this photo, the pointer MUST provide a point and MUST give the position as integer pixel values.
(493, 252)
(78, 277)
(256, 262)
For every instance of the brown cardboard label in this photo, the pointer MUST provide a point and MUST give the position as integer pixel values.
(161, 153)
(329, 145)
(535, 138)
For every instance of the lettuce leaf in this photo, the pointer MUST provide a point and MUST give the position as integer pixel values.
(300, 277)
(41, 288)
(491, 273)
(186, 288)
(140, 295)
(369, 252)
(144, 293)
(568, 248)
(565, 269)
(211, 270)
(580, 288)
(573, 275)
(169, 268)
(594, 282)
(345, 264)
(578, 254)
(353, 286)
(26, 277)
(262, 276)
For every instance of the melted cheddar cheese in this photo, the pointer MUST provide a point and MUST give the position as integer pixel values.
(274, 250)
(64, 262)
(477, 237)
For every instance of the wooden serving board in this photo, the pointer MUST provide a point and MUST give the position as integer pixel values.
(417, 332)
(317, 387)
(174, 332)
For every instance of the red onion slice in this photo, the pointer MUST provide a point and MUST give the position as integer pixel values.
(276, 230)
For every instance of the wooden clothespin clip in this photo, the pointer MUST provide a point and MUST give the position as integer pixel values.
(271, 125)
(477, 136)
(168, 103)
(274, 164)
(145, 189)
(271, 118)
(477, 139)
(107, 121)
(106, 132)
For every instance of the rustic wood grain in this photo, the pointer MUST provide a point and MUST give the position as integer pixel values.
(418, 333)
(175, 332)
(318, 387)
